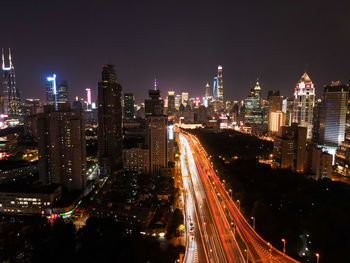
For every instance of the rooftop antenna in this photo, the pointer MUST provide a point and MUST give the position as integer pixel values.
(155, 83)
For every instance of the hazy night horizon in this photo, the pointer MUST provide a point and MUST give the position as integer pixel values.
(181, 43)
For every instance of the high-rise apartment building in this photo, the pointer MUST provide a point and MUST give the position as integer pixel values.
(12, 95)
(62, 147)
(333, 114)
(290, 146)
(156, 132)
(129, 107)
(31, 106)
(109, 134)
(304, 100)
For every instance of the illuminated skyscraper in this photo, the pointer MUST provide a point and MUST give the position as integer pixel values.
(184, 98)
(56, 94)
(207, 88)
(218, 91)
(171, 102)
(304, 100)
(109, 133)
(333, 114)
(177, 101)
(12, 95)
(254, 117)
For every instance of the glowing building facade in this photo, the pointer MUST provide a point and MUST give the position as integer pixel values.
(12, 95)
(304, 100)
(254, 116)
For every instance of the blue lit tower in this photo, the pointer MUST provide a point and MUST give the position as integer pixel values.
(51, 90)
(12, 95)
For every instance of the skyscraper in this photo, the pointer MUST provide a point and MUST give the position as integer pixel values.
(129, 107)
(62, 92)
(276, 117)
(12, 95)
(333, 114)
(62, 147)
(156, 132)
(253, 116)
(218, 91)
(304, 100)
(184, 98)
(109, 122)
(171, 102)
(207, 88)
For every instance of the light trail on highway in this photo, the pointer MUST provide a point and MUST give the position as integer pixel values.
(258, 249)
(212, 241)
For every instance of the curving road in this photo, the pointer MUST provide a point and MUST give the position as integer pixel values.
(257, 249)
(211, 239)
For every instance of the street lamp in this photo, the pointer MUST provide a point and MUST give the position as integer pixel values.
(284, 245)
(253, 218)
(318, 257)
(246, 250)
(239, 205)
(230, 193)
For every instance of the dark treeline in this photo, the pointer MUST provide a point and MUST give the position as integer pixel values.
(100, 240)
(307, 213)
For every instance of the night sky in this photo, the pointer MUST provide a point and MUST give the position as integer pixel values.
(179, 42)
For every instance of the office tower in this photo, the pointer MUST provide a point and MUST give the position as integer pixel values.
(109, 134)
(170, 143)
(304, 100)
(12, 95)
(31, 106)
(62, 92)
(287, 107)
(276, 118)
(2, 105)
(78, 104)
(220, 90)
(289, 148)
(184, 98)
(129, 107)
(207, 87)
(171, 102)
(136, 160)
(316, 121)
(342, 156)
(177, 101)
(62, 147)
(88, 99)
(253, 116)
(333, 114)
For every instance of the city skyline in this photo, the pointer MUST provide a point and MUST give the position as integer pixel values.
(169, 52)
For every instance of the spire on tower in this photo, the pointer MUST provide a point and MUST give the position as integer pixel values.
(3, 58)
(155, 84)
(10, 59)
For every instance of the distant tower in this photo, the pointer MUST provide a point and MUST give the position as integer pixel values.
(109, 133)
(220, 92)
(304, 100)
(207, 90)
(12, 95)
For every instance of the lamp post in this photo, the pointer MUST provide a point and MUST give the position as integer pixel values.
(253, 218)
(318, 257)
(246, 250)
(230, 193)
(284, 245)
(239, 205)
